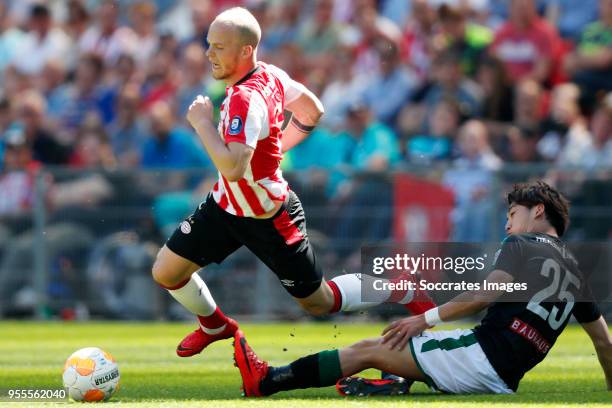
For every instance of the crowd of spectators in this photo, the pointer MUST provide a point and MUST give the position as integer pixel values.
(105, 84)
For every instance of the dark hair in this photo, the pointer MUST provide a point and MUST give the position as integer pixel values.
(526, 132)
(77, 10)
(556, 206)
(39, 11)
(447, 12)
(95, 61)
(5, 103)
(450, 55)
(497, 65)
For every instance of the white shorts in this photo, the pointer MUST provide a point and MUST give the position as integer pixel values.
(454, 362)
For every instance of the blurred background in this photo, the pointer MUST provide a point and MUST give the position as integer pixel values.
(434, 108)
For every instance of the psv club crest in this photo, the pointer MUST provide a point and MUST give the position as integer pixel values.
(235, 125)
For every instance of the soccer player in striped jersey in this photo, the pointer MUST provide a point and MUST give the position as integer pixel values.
(251, 204)
(512, 338)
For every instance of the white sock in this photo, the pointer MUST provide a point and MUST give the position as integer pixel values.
(349, 286)
(195, 296)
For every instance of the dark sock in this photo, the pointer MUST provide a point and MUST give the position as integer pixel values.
(316, 370)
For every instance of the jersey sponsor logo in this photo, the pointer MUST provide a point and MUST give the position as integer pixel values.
(185, 227)
(530, 334)
(235, 126)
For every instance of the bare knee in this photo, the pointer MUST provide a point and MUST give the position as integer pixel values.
(366, 344)
(169, 269)
(372, 353)
(316, 309)
(158, 272)
(359, 356)
(318, 303)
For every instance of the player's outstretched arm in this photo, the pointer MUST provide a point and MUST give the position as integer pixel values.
(231, 159)
(306, 111)
(600, 336)
(465, 304)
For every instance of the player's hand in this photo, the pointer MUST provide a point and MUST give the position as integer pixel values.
(200, 111)
(400, 331)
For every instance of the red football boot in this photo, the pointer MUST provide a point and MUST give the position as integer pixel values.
(197, 341)
(252, 369)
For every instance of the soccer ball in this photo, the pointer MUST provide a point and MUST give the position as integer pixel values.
(91, 374)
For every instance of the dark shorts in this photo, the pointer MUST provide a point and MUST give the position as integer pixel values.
(210, 234)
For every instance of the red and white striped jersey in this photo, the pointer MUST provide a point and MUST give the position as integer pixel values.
(252, 113)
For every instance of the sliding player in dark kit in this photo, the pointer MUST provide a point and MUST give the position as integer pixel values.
(511, 339)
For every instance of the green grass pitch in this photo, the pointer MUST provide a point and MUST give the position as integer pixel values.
(32, 355)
